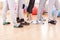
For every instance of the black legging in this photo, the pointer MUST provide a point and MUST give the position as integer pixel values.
(30, 6)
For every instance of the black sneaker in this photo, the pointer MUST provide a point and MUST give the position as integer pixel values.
(25, 23)
(52, 22)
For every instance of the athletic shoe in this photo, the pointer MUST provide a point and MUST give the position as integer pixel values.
(37, 22)
(6, 23)
(22, 21)
(52, 22)
(42, 19)
(25, 23)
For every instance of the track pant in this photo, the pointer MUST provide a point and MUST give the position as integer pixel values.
(9, 4)
(40, 8)
(20, 12)
(50, 6)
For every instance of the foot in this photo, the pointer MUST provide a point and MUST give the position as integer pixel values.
(25, 23)
(27, 19)
(42, 19)
(6, 23)
(22, 21)
(39, 22)
(20, 26)
(34, 22)
(18, 20)
(52, 22)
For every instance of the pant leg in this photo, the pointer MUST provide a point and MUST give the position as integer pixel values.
(12, 11)
(4, 10)
(17, 12)
(20, 9)
(57, 5)
(41, 6)
(50, 6)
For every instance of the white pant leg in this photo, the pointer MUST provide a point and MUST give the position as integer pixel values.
(50, 6)
(12, 11)
(21, 12)
(57, 5)
(41, 6)
(4, 10)
(17, 12)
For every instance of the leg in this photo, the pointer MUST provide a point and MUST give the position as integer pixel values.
(21, 13)
(4, 11)
(29, 9)
(17, 12)
(20, 5)
(50, 5)
(29, 13)
(16, 9)
(12, 13)
(39, 13)
(41, 6)
(23, 6)
(57, 5)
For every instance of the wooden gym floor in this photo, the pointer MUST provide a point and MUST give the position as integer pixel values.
(32, 32)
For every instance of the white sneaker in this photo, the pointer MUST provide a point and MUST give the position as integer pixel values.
(33, 22)
(42, 19)
(37, 22)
